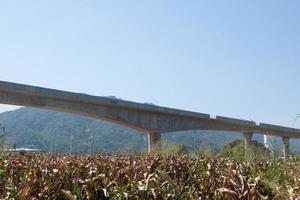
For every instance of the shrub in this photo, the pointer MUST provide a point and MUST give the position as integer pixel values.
(236, 149)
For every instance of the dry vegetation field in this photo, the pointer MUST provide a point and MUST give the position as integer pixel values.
(33, 176)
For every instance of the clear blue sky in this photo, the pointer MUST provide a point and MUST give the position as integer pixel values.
(234, 58)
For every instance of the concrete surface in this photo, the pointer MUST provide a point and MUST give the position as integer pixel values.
(148, 118)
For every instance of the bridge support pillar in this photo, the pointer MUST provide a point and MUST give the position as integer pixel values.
(286, 146)
(248, 147)
(153, 141)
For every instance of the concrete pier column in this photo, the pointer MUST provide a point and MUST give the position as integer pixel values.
(248, 139)
(286, 147)
(153, 141)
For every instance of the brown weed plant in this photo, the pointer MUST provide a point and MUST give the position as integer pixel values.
(35, 176)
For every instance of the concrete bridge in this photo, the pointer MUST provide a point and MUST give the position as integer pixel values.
(150, 119)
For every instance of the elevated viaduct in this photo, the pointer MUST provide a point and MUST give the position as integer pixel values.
(150, 119)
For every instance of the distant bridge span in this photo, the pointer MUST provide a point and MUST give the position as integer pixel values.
(150, 119)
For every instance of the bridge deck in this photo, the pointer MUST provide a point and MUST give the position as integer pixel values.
(262, 128)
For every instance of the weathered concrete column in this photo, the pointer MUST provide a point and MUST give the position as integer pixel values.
(153, 141)
(248, 139)
(286, 147)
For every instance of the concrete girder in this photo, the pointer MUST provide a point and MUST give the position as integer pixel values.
(143, 117)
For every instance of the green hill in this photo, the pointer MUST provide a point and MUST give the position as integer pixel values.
(64, 132)
(61, 132)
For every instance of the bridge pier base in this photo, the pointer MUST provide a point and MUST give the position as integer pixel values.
(248, 146)
(286, 146)
(153, 141)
